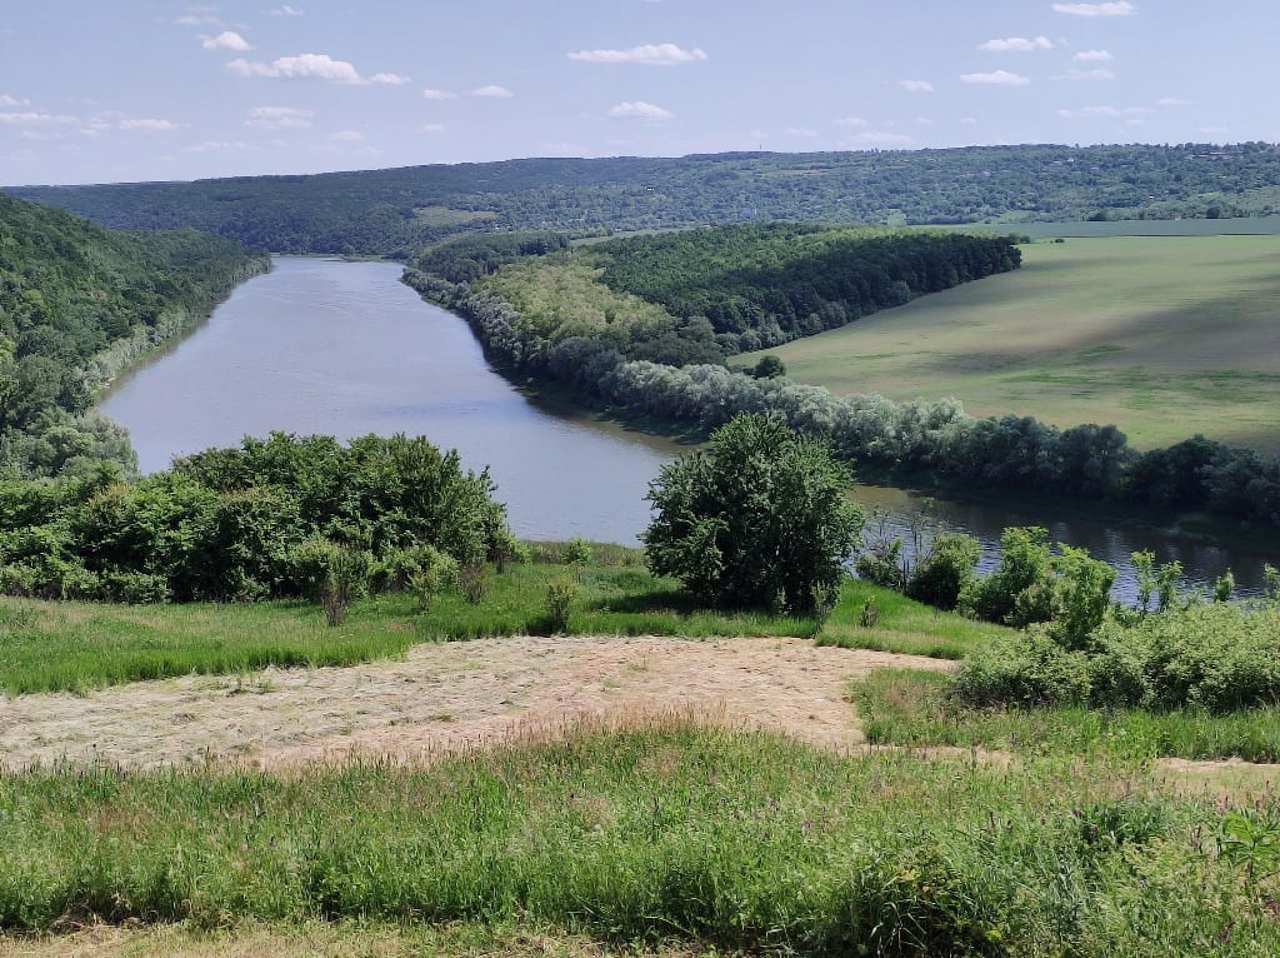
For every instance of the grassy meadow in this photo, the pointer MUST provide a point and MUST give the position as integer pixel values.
(1164, 336)
(653, 832)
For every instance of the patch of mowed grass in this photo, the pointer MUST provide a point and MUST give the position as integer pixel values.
(912, 708)
(739, 839)
(333, 939)
(902, 625)
(78, 646)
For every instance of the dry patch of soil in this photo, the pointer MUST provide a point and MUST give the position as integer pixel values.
(443, 698)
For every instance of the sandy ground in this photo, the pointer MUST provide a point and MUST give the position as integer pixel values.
(442, 698)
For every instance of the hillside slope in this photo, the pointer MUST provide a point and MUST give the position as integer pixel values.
(394, 211)
(78, 304)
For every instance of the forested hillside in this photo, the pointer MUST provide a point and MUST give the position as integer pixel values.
(397, 211)
(78, 304)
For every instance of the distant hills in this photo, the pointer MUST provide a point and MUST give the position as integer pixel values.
(394, 212)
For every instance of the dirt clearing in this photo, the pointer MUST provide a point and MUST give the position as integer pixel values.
(442, 698)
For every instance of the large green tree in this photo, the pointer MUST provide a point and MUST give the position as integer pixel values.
(764, 518)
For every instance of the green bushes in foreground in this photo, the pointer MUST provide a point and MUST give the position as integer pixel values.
(263, 520)
(728, 838)
(1218, 658)
(916, 709)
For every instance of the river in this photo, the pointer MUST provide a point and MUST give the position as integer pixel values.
(344, 348)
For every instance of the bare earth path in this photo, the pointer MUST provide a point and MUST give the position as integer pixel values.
(444, 697)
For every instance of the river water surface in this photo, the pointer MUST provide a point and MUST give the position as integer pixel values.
(343, 348)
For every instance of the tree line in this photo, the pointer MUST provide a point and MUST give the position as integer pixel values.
(78, 305)
(380, 211)
(1010, 452)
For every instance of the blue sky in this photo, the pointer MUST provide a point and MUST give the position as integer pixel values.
(148, 89)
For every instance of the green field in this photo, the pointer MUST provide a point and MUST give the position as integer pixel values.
(1162, 336)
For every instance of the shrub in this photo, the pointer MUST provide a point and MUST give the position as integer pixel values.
(473, 579)
(348, 580)
(882, 564)
(1017, 592)
(946, 571)
(436, 573)
(1030, 669)
(561, 594)
(577, 552)
(311, 564)
(764, 513)
(135, 588)
(1081, 595)
(1224, 587)
(769, 367)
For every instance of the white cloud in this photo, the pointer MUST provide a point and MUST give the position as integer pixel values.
(916, 86)
(802, 131)
(285, 10)
(219, 146)
(1109, 112)
(279, 118)
(969, 120)
(148, 125)
(995, 78)
(1017, 44)
(1093, 56)
(31, 118)
(648, 54)
(883, 138)
(434, 94)
(1097, 73)
(855, 122)
(315, 66)
(226, 40)
(1213, 130)
(431, 128)
(1120, 8)
(639, 110)
(199, 18)
(493, 90)
(1172, 101)
(6, 100)
(347, 136)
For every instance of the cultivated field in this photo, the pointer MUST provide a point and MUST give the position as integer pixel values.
(1163, 336)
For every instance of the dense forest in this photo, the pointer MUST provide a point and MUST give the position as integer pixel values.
(557, 318)
(699, 296)
(397, 211)
(78, 304)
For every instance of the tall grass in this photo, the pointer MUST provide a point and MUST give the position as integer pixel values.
(912, 708)
(903, 625)
(743, 840)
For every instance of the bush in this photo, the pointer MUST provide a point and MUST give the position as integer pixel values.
(135, 588)
(473, 579)
(1017, 592)
(769, 367)
(436, 573)
(1031, 669)
(347, 581)
(946, 571)
(311, 564)
(1215, 657)
(765, 513)
(882, 565)
(577, 552)
(561, 594)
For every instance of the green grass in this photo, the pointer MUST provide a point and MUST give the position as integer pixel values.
(903, 625)
(911, 708)
(1162, 336)
(742, 840)
(77, 646)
